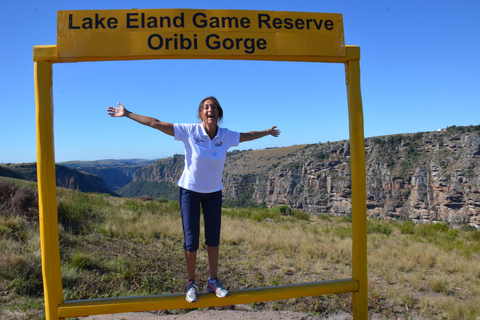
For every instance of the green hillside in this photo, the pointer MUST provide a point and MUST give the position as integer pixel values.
(114, 247)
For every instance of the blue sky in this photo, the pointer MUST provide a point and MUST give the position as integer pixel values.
(418, 62)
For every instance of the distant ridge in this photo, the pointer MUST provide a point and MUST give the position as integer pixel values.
(65, 177)
(115, 173)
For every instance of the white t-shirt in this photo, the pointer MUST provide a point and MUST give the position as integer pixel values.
(204, 157)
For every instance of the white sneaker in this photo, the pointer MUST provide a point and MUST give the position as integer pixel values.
(192, 292)
(216, 287)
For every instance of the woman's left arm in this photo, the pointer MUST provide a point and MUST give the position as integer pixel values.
(252, 135)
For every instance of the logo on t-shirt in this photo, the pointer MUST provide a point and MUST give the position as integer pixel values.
(218, 144)
(198, 141)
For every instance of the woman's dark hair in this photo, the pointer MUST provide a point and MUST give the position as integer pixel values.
(215, 101)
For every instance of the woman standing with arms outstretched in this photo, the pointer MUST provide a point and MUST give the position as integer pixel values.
(206, 146)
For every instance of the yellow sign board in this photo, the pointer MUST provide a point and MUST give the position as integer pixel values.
(135, 32)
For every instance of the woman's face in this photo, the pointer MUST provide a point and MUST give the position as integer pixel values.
(209, 114)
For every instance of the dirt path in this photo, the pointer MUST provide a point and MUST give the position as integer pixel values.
(215, 315)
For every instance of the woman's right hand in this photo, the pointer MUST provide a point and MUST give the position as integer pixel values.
(117, 112)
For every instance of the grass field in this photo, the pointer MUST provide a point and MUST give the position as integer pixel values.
(113, 247)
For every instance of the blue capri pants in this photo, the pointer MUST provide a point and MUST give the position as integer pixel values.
(211, 204)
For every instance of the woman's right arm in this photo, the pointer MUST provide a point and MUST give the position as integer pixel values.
(121, 111)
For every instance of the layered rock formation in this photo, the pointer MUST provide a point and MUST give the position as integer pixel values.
(429, 176)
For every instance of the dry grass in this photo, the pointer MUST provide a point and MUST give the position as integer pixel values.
(409, 276)
(124, 247)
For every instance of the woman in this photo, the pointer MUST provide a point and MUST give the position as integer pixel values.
(206, 145)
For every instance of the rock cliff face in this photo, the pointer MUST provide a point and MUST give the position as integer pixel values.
(429, 176)
(434, 176)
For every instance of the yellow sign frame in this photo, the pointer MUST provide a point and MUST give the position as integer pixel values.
(56, 308)
(153, 32)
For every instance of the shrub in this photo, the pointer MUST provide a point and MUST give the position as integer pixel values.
(378, 227)
(342, 232)
(300, 215)
(25, 203)
(70, 277)
(7, 190)
(70, 218)
(84, 261)
(14, 228)
(407, 227)
(474, 236)
(263, 215)
(77, 214)
(430, 232)
(16, 201)
(24, 273)
(282, 209)
(327, 217)
(378, 141)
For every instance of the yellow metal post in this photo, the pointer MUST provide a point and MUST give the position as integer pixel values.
(52, 279)
(359, 202)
